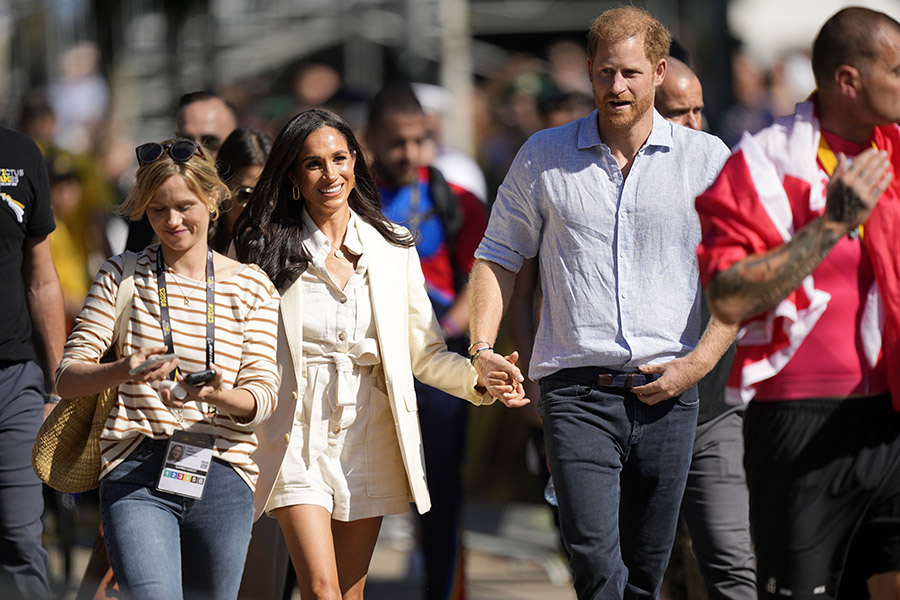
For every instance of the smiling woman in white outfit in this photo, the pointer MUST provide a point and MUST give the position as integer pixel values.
(344, 446)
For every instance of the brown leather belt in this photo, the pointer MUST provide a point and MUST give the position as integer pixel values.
(625, 381)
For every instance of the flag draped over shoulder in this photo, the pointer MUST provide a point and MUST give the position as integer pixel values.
(770, 188)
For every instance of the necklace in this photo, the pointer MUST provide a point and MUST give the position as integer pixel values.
(187, 301)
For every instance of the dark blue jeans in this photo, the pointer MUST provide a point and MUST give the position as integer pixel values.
(167, 547)
(619, 467)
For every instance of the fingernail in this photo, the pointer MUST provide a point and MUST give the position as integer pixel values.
(520, 378)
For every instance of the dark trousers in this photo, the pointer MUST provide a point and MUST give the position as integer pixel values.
(23, 561)
(442, 418)
(619, 467)
(716, 508)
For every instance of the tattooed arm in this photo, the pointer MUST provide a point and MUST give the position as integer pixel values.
(760, 281)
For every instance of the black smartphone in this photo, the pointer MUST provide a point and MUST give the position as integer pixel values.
(200, 377)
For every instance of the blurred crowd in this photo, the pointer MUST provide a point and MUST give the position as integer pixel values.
(91, 163)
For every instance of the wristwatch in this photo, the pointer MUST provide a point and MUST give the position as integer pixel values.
(51, 398)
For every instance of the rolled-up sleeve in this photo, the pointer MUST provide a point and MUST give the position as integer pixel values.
(514, 229)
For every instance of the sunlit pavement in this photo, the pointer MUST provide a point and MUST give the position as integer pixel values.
(511, 554)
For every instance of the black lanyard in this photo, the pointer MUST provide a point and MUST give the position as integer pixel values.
(164, 320)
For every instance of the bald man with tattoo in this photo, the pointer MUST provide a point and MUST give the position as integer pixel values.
(800, 246)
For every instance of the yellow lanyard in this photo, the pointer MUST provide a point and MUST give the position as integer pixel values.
(828, 160)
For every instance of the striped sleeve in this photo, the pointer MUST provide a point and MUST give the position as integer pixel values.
(92, 333)
(258, 372)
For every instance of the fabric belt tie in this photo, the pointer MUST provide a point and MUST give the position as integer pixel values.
(363, 354)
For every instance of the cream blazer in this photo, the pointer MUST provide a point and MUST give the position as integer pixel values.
(411, 345)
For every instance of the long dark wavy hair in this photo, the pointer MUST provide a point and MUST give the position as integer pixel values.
(269, 231)
(245, 147)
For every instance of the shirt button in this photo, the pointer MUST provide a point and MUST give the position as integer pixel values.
(336, 429)
(293, 395)
(360, 270)
(342, 336)
(343, 299)
(287, 438)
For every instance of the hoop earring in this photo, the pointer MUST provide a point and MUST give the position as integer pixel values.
(296, 192)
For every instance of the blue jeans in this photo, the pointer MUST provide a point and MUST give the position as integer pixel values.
(167, 547)
(619, 468)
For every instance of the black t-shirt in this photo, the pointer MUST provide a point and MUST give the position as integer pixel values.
(24, 212)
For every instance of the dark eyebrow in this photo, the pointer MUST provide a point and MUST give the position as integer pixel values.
(335, 153)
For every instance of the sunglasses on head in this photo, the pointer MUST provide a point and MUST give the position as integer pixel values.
(209, 141)
(242, 196)
(179, 151)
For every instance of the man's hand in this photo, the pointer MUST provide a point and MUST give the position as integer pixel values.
(853, 191)
(678, 376)
(502, 378)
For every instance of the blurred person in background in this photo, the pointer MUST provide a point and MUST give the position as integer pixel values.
(565, 108)
(80, 98)
(314, 85)
(752, 107)
(680, 96)
(87, 223)
(448, 223)
(69, 256)
(566, 60)
(716, 505)
(31, 341)
(239, 162)
(202, 117)
(458, 168)
(205, 118)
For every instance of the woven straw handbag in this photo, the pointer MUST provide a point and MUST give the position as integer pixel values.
(66, 452)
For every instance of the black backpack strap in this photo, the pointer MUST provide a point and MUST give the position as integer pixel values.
(447, 208)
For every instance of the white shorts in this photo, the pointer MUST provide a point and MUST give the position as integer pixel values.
(347, 461)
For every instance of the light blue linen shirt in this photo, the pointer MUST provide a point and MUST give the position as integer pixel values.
(617, 256)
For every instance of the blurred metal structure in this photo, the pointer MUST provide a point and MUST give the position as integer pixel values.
(155, 50)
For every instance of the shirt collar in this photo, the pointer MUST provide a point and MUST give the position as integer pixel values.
(315, 242)
(589, 135)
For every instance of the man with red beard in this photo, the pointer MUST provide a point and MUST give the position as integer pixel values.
(606, 202)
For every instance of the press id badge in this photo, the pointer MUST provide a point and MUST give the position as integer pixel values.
(185, 469)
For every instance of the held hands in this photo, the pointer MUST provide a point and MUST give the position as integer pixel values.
(853, 191)
(502, 378)
(677, 376)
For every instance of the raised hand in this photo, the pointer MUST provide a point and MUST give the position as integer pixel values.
(854, 190)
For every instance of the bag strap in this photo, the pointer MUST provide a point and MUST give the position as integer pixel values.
(124, 299)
